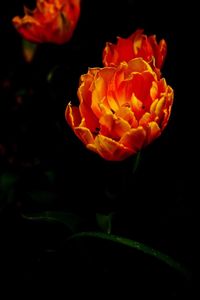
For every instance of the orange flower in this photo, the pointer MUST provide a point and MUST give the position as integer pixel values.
(137, 45)
(51, 21)
(122, 109)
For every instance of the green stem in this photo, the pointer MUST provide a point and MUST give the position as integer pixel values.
(136, 245)
(136, 162)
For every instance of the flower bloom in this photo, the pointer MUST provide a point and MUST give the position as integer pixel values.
(51, 21)
(122, 109)
(137, 45)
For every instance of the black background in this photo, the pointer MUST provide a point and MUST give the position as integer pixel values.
(152, 206)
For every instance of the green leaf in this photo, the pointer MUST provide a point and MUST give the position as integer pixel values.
(42, 196)
(135, 245)
(7, 180)
(7, 188)
(50, 175)
(104, 222)
(52, 73)
(70, 220)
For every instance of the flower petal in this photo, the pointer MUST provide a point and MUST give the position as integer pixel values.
(162, 86)
(153, 132)
(72, 115)
(159, 50)
(154, 90)
(137, 107)
(160, 105)
(99, 92)
(50, 21)
(145, 119)
(124, 49)
(84, 95)
(110, 149)
(84, 134)
(134, 139)
(29, 28)
(138, 65)
(84, 90)
(110, 55)
(128, 115)
(153, 106)
(112, 126)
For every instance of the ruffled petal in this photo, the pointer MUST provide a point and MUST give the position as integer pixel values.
(84, 95)
(112, 126)
(50, 21)
(128, 115)
(99, 90)
(160, 105)
(145, 119)
(154, 90)
(110, 149)
(153, 131)
(84, 134)
(137, 107)
(134, 139)
(138, 65)
(72, 115)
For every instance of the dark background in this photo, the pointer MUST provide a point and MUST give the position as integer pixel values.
(43, 166)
